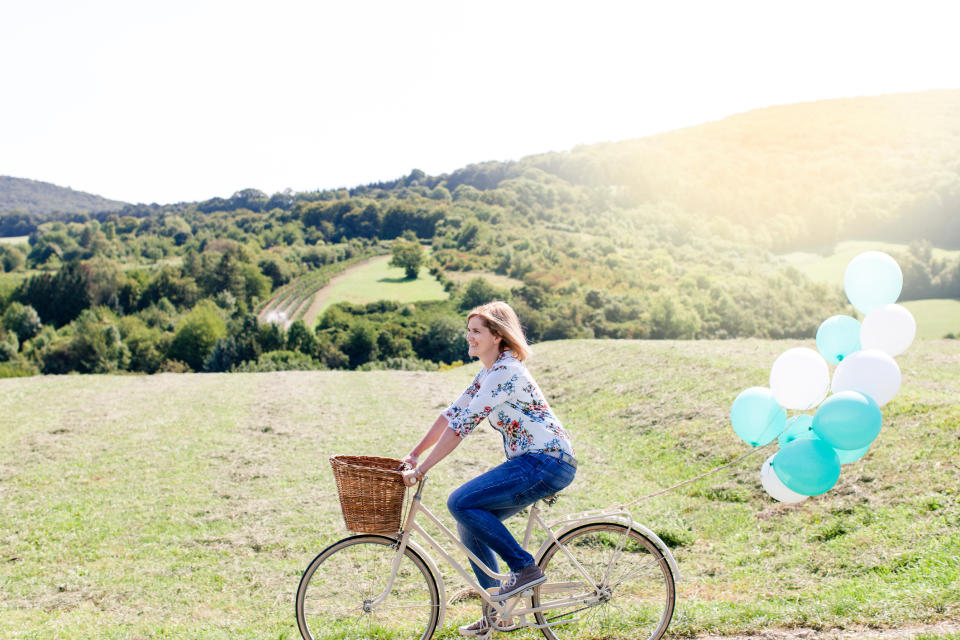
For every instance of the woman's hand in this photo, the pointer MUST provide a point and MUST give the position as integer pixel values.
(412, 460)
(411, 476)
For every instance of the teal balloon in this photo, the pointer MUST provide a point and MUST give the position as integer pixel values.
(756, 416)
(800, 426)
(847, 456)
(808, 466)
(838, 337)
(848, 420)
(872, 279)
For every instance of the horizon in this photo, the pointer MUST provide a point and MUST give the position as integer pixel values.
(200, 101)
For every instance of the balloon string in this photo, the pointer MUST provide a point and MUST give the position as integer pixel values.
(699, 477)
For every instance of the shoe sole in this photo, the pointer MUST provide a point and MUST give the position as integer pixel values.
(517, 590)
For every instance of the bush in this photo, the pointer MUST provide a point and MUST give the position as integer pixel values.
(17, 370)
(281, 361)
(22, 320)
(197, 334)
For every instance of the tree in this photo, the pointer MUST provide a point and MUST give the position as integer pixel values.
(301, 338)
(478, 292)
(22, 320)
(408, 256)
(360, 345)
(197, 334)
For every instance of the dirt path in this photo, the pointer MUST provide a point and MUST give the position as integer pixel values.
(860, 633)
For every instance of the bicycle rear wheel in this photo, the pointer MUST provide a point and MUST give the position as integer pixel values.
(334, 600)
(628, 590)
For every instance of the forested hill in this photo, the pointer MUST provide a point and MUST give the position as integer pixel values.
(665, 237)
(803, 175)
(44, 198)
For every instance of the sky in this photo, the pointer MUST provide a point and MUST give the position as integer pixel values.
(175, 101)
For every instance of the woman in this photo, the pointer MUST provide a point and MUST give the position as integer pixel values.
(539, 462)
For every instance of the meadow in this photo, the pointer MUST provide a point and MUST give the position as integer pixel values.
(14, 239)
(366, 281)
(935, 317)
(187, 505)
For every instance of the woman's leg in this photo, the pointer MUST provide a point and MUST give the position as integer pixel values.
(509, 487)
(482, 551)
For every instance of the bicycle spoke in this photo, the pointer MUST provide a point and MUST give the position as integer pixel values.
(633, 596)
(332, 601)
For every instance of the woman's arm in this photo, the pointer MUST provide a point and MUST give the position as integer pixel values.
(446, 441)
(430, 439)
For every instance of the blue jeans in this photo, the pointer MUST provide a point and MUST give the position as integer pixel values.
(480, 506)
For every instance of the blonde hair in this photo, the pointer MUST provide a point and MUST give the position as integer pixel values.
(502, 321)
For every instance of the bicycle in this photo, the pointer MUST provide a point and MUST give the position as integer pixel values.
(608, 577)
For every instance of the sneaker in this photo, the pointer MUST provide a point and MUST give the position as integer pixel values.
(482, 626)
(529, 576)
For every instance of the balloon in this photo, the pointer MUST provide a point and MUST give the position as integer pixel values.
(801, 426)
(797, 427)
(838, 337)
(756, 416)
(847, 456)
(777, 490)
(890, 328)
(848, 420)
(808, 466)
(799, 378)
(869, 371)
(872, 279)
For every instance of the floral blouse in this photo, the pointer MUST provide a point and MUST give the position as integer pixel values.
(508, 397)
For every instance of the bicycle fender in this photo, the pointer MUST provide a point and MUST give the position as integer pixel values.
(654, 538)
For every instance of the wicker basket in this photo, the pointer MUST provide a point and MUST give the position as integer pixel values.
(371, 492)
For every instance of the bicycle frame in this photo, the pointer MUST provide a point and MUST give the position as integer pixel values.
(509, 609)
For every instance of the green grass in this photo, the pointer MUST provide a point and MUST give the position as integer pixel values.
(935, 318)
(829, 269)
(375, 280)
(186, 506)
(14, 239)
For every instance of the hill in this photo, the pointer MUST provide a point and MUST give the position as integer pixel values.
(878, 168)
(673, 236)
(188, 505)
(43, 198)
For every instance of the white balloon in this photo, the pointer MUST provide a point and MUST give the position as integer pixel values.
(890, 328)
(775, 487)
(871, 372)
(799, 379)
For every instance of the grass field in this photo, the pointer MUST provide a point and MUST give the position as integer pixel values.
(14, 239)
(935, 318)
(186, 506)
(829, 269)
(375, 280)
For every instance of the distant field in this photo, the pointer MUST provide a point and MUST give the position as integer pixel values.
(497, 280)
(935, 318)
(14, 240)
(829, 269)
(374, 280)
(187, 506)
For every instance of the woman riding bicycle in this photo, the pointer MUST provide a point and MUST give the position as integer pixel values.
(539, 455)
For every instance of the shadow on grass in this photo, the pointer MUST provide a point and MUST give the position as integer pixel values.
(396, 280)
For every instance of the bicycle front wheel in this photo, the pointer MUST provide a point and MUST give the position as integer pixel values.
(622, 588)
(337, 594)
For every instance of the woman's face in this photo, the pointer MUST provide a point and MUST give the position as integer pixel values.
(481, 340)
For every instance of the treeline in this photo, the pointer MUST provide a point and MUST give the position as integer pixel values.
(665, 238)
